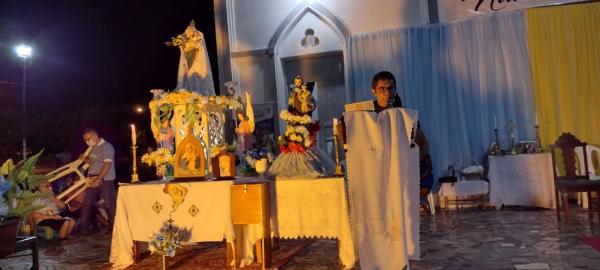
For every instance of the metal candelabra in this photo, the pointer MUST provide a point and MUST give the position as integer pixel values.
(510, 126)
(496, 149)
(540, 148)
(134, 175)
(338, 167)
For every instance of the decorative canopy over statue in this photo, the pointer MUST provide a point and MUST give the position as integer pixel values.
(194, 66)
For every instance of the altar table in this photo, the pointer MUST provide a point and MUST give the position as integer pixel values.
(308, 208)
(521, 180)
(142, 209)
(300, 208)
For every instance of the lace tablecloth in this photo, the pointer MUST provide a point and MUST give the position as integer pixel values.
(142, 209)
(308, 208)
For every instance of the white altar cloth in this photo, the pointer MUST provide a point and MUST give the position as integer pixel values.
(142, 209)
(521, 180)
(308, 208)
(383, 173)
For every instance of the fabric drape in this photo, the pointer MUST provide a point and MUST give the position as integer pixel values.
(458, 76)
(564, 44)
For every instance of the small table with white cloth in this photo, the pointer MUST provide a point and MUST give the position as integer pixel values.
(463, 188)
(142, 209)
(525, 180)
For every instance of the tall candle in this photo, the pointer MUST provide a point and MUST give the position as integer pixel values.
(335, 123)
(495, 122)
(536, 119)
(133, 135)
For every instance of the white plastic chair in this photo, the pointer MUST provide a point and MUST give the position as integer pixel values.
(74, 167)
(591, 150)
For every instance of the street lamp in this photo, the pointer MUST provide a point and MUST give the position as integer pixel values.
(25, 53)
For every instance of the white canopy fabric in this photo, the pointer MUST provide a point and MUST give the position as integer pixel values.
(459, 76)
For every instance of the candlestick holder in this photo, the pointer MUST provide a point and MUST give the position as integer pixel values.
(134, 176)
(511, 126)
(496, 148)
(338, 167)
(540, 148)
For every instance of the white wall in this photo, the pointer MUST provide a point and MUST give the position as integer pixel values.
(252, 25)
(329, 40)
(255, 75)
(255, 21)
(458, 10)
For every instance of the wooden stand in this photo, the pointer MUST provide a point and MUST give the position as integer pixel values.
(250, 204)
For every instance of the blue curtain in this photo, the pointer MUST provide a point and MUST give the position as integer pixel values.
(458, 76)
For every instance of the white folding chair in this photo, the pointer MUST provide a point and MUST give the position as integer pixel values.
(74, 167)
(582, 198)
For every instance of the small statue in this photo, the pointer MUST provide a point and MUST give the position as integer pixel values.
(300, 101)
(293, 101)
(167, 137)
(194, 66)
(246, 125)
(307, 103)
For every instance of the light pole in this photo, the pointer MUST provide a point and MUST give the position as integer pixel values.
(24, 52)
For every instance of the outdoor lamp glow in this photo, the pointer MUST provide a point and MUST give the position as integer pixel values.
(23, 51)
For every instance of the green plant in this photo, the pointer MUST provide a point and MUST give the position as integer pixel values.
(18, 185)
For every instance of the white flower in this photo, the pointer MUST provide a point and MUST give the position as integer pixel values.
(170, 252)
(307, 142)
(302, 130)
(296, 119)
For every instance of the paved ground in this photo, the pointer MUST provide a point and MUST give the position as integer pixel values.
(515, 238)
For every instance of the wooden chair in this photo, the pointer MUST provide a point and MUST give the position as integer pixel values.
(572, 181)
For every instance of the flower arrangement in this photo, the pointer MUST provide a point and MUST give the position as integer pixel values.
(167, 240)
(159, 158)
(183, 96)
(295, 119)
(254, 154)
(298, 138)
(215, 150)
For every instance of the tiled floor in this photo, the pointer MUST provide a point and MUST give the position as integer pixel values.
(515, 238)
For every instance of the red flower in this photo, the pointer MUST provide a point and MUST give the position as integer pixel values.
(291, 147)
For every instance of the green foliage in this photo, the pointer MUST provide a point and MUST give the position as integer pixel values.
(23, 181)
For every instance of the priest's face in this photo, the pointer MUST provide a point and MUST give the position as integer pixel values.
(384, 92)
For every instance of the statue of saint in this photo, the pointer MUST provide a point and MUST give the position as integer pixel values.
(293, 101)
(194, 66)
(246, 125)
(300, 101)
(167, 137)
(307, 103)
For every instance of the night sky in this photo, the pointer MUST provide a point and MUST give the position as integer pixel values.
(93, 62)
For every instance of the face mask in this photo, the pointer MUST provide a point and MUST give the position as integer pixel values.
(90, 142)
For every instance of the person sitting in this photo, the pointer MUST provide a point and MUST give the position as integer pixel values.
(49, 215)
